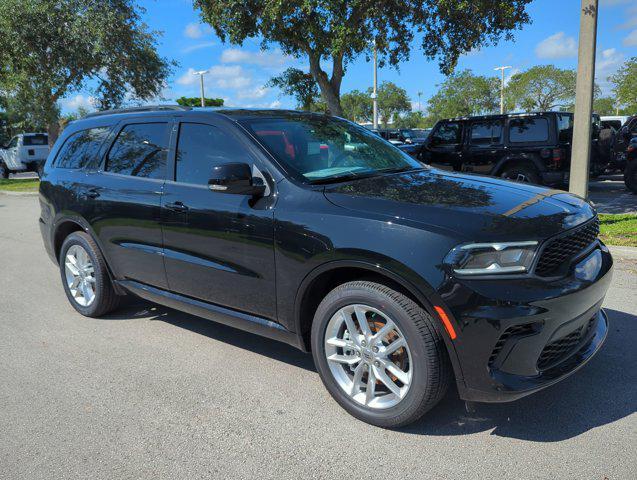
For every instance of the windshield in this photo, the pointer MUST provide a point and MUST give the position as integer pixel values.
(320, 149)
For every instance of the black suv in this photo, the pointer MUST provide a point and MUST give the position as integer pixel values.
(530, 147)
(314, 231)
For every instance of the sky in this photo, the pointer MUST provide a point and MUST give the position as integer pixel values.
(238, 74)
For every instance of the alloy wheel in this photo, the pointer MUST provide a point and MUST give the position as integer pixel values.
(368, 356)
(80, 275)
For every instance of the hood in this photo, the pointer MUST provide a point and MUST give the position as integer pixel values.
(478, 208)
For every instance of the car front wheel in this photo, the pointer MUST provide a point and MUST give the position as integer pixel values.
(630, 176)
(379, 354)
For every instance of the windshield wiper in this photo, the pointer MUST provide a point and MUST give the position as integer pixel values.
(342, 177)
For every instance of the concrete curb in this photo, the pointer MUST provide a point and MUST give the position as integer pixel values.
(19, 194)
(623, 252)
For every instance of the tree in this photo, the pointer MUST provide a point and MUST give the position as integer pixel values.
(300, 85)
(357, 106)
(392, 101)
(463, 94)
(604, 106)
(336, 32)
(625, 86)
(49, 48)
(196, 102)
(414, 120)
(543, 87)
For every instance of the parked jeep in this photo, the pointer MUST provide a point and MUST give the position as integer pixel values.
(26, 152)
(529, 147)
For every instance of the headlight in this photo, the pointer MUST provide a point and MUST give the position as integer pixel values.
(492, 258)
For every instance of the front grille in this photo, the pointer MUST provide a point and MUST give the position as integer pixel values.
(514, 331)
(561, 249)
(562, 347)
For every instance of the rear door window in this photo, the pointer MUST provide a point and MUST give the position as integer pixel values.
(140, 150)
(486, 132)
(447, 134)
(564, 127)
(81, 148)
(528, 130)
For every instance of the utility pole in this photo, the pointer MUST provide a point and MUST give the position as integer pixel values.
(581, 145)
(375, 88)
(502, 69)
(201, 73)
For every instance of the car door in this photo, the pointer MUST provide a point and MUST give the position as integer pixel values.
(218, 247)
(11, 154)
(484, 146)
(123, 199)
(444, 146)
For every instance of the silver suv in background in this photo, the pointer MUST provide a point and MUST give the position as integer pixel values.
(26, 152)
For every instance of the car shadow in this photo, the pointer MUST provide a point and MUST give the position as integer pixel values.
(602, 392)
(137, 308)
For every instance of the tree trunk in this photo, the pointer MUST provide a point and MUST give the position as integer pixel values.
(330, 89)
(53, 130)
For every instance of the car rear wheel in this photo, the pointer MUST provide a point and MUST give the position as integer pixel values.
(85, 277)
(4, 171)
(379, 354)
(521, 172)
(630, 176)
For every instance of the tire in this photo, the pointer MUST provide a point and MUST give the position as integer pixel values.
(105, 299)
(424, 359)
(4, 171)
(521, 172)
(630, 176)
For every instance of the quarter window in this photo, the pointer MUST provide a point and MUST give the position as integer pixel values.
(527, 130)
(200, 148)
(81, 148)
(447, 134)
(140, 151)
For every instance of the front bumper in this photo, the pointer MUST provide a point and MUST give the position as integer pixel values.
(518, 336)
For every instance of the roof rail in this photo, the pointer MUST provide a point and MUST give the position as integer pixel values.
(147, 108)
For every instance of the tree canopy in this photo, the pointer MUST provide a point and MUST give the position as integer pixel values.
(543, 87)
(300, 85)
(196, 102)
(463, 94)
(49, 48)
(625, 86)
(392, 102)
(336, 32)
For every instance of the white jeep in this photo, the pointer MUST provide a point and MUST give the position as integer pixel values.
(26, 152)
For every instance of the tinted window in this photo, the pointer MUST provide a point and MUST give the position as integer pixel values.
(447, 134)
(13, 143)
(35, 140)
(201, 147)
(486, 132)
(522, 130)
(564, 127)
(140, 151)
(81, 147)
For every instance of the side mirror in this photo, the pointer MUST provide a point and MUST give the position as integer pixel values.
(237, 179)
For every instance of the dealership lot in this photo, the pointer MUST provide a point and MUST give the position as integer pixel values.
(155, 393)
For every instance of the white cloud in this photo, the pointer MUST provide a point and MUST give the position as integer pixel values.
(71, 104)
(631, 39)
(253, 93)
(198, 46)
(557, 46)
(607, 63)
(232, 77)
(196, 30)
(275, 58)
(275, 104)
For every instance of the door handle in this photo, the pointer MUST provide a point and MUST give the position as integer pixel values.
(92, 193)
(176, 207)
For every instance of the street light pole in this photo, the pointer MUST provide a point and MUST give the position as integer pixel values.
(375, 89)
(502, 69)
(581, 150)
(201, 73)
(419, 95)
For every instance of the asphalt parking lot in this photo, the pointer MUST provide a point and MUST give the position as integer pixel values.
(154, 393)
